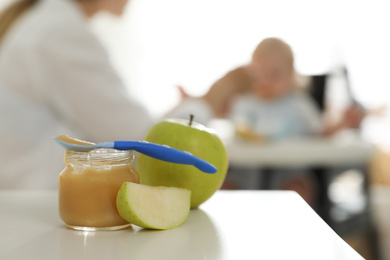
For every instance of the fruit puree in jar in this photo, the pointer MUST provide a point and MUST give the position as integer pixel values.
(88, 187)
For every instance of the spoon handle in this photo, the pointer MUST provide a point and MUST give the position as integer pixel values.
(166, 153)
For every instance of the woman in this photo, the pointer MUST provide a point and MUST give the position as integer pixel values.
(56, 78)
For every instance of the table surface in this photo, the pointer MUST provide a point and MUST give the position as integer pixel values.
(230, 225)
(301, 152)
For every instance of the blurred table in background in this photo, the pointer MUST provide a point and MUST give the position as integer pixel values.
(306, 152)
(326, 158)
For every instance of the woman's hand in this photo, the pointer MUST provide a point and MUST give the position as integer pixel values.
(222, 93)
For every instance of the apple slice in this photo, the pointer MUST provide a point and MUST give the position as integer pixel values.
(153, 207)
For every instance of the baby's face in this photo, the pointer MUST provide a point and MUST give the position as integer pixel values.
(271, 77)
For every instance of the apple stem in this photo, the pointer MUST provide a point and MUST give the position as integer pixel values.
(191, 118)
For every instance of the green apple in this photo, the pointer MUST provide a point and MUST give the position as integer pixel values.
(196, 139)
(153, 207)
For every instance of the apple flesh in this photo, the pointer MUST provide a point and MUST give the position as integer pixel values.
(196, 139)
(153, 207)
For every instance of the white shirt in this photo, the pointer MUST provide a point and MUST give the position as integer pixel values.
(56, 78)
(294, 114)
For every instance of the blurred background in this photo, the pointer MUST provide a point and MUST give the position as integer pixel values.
(158, 45)
(161, 44)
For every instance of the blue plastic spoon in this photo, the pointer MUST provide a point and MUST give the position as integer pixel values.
(157, 151)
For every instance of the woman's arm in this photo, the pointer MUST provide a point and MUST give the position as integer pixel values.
(83, 89)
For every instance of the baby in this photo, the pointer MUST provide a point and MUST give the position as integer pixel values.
(273, 107)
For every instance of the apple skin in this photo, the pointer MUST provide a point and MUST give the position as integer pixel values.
(196, 139)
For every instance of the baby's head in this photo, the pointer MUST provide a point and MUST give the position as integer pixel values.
(272, 69)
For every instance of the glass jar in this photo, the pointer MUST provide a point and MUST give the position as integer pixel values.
(88, 187)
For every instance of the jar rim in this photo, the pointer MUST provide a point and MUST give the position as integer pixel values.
(104, 156)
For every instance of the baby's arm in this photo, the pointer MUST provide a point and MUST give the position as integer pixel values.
(352, 118)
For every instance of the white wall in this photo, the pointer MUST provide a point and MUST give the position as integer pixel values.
(159, 44)
(163, 43)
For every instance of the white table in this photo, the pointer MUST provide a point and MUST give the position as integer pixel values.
(300, 152)
(231, 225)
